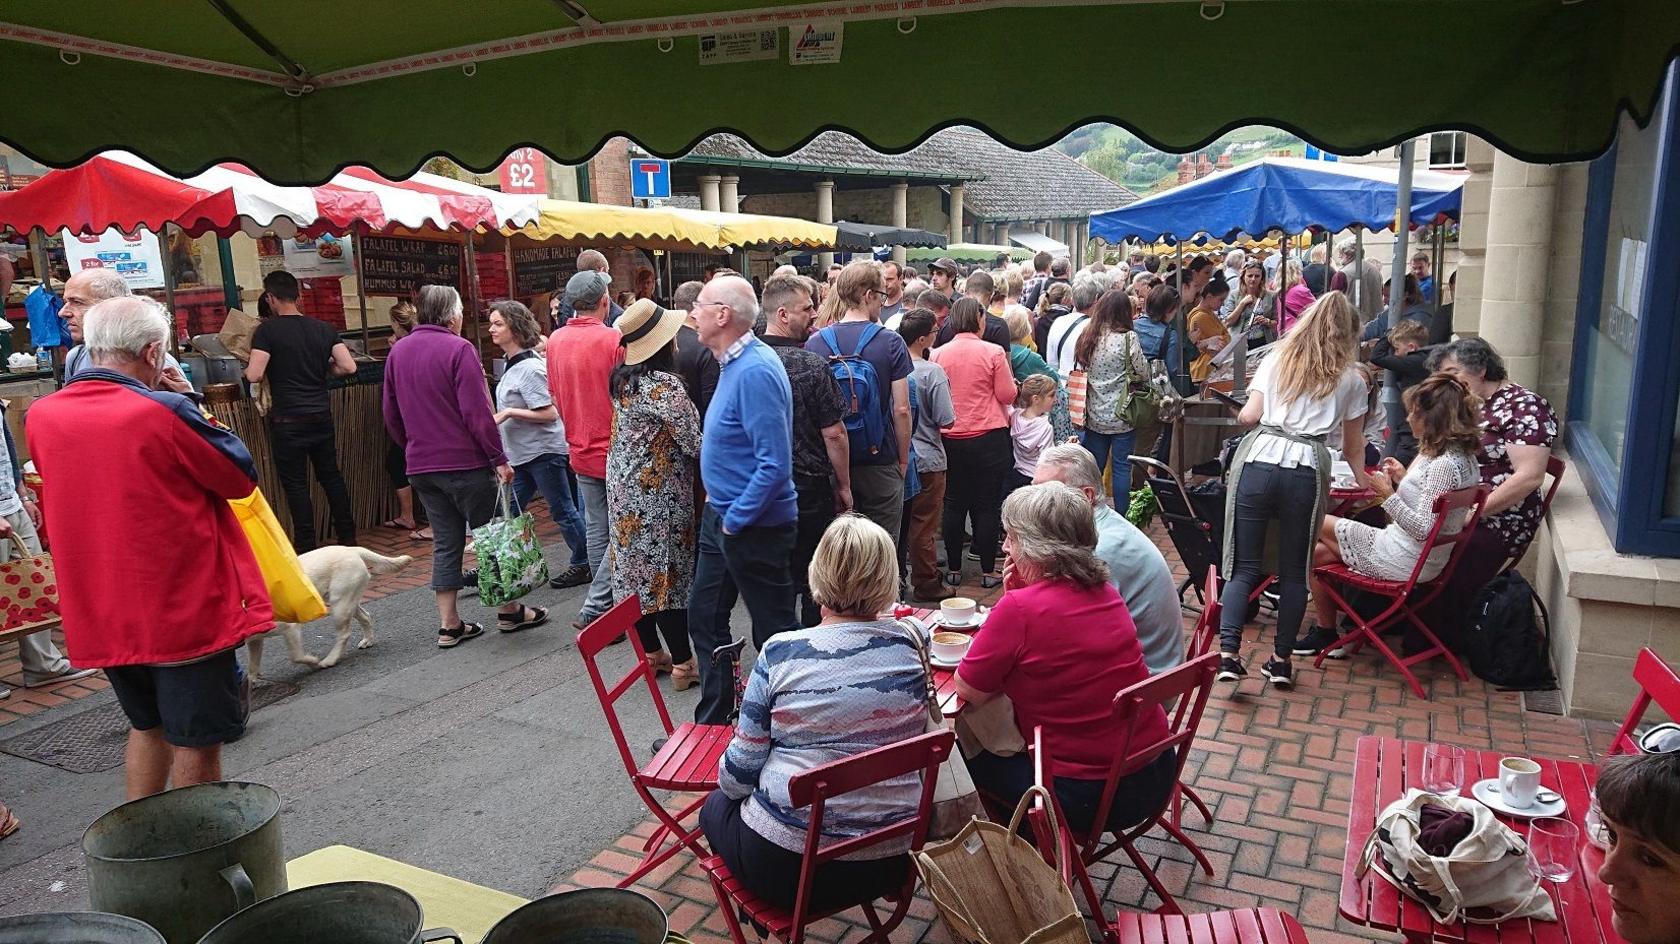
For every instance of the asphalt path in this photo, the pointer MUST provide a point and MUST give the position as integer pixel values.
(490, 762)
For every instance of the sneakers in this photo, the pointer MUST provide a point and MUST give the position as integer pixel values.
(68, 675)
(1230, 670)
(1280, 673)
(575, 576)
(1316, 640)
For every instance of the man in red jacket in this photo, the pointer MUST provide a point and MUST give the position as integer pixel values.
(156, 579)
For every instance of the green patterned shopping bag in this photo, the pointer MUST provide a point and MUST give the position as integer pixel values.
(510, 558)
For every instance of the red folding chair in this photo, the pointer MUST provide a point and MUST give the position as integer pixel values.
(1183, 692)
(1201, 643)
(1409, 595)
(1657, 683)
(688, 763)
(1248, 926)
(814, 788)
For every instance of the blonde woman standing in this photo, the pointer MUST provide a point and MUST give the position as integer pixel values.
(1306, 396)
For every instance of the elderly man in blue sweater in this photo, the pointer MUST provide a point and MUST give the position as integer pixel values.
(746, 462)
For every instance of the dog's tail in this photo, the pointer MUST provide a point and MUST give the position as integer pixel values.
(380, 564)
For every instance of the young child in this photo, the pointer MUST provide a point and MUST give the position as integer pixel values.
(1403, 351)
(1029, 426)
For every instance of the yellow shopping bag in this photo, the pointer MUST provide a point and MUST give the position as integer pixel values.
(294, 598)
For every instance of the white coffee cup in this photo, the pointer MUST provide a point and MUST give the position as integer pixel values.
(1519, 782)
(957, 611)
(949, 646)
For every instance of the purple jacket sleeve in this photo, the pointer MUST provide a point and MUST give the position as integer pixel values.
(393, 416)
(474, 401)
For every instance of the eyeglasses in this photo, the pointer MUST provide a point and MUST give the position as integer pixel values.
(1662, 739)
(884, 295)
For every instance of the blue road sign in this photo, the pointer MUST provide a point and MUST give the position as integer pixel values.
(650, 178)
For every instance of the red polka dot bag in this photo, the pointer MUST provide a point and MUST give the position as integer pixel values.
(28, 589)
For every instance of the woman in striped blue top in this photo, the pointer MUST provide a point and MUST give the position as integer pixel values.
(850, 684)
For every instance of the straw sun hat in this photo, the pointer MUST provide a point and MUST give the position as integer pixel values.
(647, 329)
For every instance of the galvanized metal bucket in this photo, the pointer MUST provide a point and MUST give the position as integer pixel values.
(584, 916)
(77, 927)
(339, 912)
(183, 860)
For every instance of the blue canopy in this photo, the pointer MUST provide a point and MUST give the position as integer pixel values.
(1285, 193)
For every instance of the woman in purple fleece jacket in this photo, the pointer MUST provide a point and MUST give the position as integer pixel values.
(437, 409)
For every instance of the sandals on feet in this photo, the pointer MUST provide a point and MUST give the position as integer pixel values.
(525, 617)
(450, 638)
(8, 823)
(397, 524)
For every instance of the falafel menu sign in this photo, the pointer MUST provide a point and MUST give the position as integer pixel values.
(540, 269)
(391, 265)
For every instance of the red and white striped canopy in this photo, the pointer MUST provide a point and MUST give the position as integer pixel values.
(118, 189)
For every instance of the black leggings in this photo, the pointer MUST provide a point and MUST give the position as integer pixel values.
(1138, 796)
(674, 625)
(980, 468)
(1271, 494)
(772, 873)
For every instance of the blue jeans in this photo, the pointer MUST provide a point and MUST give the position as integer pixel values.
(548, 474)
(1101, 445)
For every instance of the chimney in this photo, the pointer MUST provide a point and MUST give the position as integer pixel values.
(1185, 171)
(1224, 162)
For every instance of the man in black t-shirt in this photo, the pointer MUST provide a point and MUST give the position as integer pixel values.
(297, 355)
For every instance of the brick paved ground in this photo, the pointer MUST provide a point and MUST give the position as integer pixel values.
(1276, 768)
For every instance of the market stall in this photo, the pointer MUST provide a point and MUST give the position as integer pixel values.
(968, 253)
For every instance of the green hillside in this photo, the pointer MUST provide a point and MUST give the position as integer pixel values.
(1120, 156)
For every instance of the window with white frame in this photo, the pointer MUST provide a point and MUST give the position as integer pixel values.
(1446, 149)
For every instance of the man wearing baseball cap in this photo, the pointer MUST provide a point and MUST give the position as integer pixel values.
(581, 355)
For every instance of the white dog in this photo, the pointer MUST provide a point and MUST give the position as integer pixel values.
(341, 575)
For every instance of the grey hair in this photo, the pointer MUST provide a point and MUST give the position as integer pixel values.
(120, 329)
(1087, 288)
(683, 298)
(1234, 257)
(1474, 355)
(1078, 467)
(785, 269)
(1346, 248)
(592, 260)
(437, 305)
(105, 283)
(1055, 529)
(739, 296)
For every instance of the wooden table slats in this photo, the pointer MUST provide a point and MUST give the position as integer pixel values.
(1384, 768)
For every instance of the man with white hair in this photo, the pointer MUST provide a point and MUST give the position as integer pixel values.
(1136, 566)
(1233, 266)
(87, 288)
(748, 527)
(1064, 334)
(1361, 284)
(162, 617)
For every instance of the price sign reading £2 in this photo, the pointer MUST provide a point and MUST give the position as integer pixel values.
(524, 171)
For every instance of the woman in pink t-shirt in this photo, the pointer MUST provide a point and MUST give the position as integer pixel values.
(1061, 645)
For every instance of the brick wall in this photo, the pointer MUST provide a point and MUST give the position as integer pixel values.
(609, 173)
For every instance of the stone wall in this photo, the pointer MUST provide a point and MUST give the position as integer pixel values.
(925, 205)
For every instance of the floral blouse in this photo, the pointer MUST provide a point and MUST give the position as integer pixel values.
(1514, 416)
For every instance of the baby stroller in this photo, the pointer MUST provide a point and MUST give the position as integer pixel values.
(1194, 517)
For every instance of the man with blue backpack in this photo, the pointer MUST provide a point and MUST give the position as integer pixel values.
(872, 367)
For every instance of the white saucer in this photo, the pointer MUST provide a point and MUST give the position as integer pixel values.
(973, 621)
(939, 663)
(1487, 791)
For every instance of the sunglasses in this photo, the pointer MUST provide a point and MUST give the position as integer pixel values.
(1662, 739)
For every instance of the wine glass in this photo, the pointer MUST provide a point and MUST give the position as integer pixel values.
(1554, 851)
(1443, 769)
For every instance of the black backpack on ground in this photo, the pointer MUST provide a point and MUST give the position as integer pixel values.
(1508, 642)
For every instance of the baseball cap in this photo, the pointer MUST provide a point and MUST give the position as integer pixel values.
(586, 288)
(948, 264)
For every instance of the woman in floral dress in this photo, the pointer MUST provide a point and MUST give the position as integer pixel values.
(650, 486)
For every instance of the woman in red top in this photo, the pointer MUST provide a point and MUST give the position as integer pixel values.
(1061, 645)
(978, 443)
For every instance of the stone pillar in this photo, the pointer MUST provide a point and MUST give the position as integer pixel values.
(709, 199)
(1000, 233)
(1518, 248)
(1084, 242)
(1066, 234)
(956, 227)
(729, 194)
(900, 214)
(825, 214)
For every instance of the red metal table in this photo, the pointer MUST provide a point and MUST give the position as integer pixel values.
(1384, 768)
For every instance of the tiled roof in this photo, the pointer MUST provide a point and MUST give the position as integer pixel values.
(1000, 182)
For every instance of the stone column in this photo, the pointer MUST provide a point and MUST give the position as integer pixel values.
(825, 214)
(1000, 233)
(900, 214)
(729, 194)
(709, 192)
(1084, 242)
(1513, 280)
(956, 227)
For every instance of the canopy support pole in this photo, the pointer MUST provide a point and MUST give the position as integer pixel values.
(356, 233)
(472, 291)
(1178, 368)
(1435, 265)
(1397, 277)
(1358, 285)
(169, 290)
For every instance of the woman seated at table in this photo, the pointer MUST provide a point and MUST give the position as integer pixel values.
(1442, 416)
(1061, 645)
(1637, 799)
(850, 684)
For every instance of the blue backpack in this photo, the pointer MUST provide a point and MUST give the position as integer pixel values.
(860, 391)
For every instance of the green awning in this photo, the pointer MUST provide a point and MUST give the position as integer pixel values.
(296, 90)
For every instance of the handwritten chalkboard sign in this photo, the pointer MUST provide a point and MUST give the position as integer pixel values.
(540, 269)
(395, 266)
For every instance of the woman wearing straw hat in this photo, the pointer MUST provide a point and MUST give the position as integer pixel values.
(650, 485)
